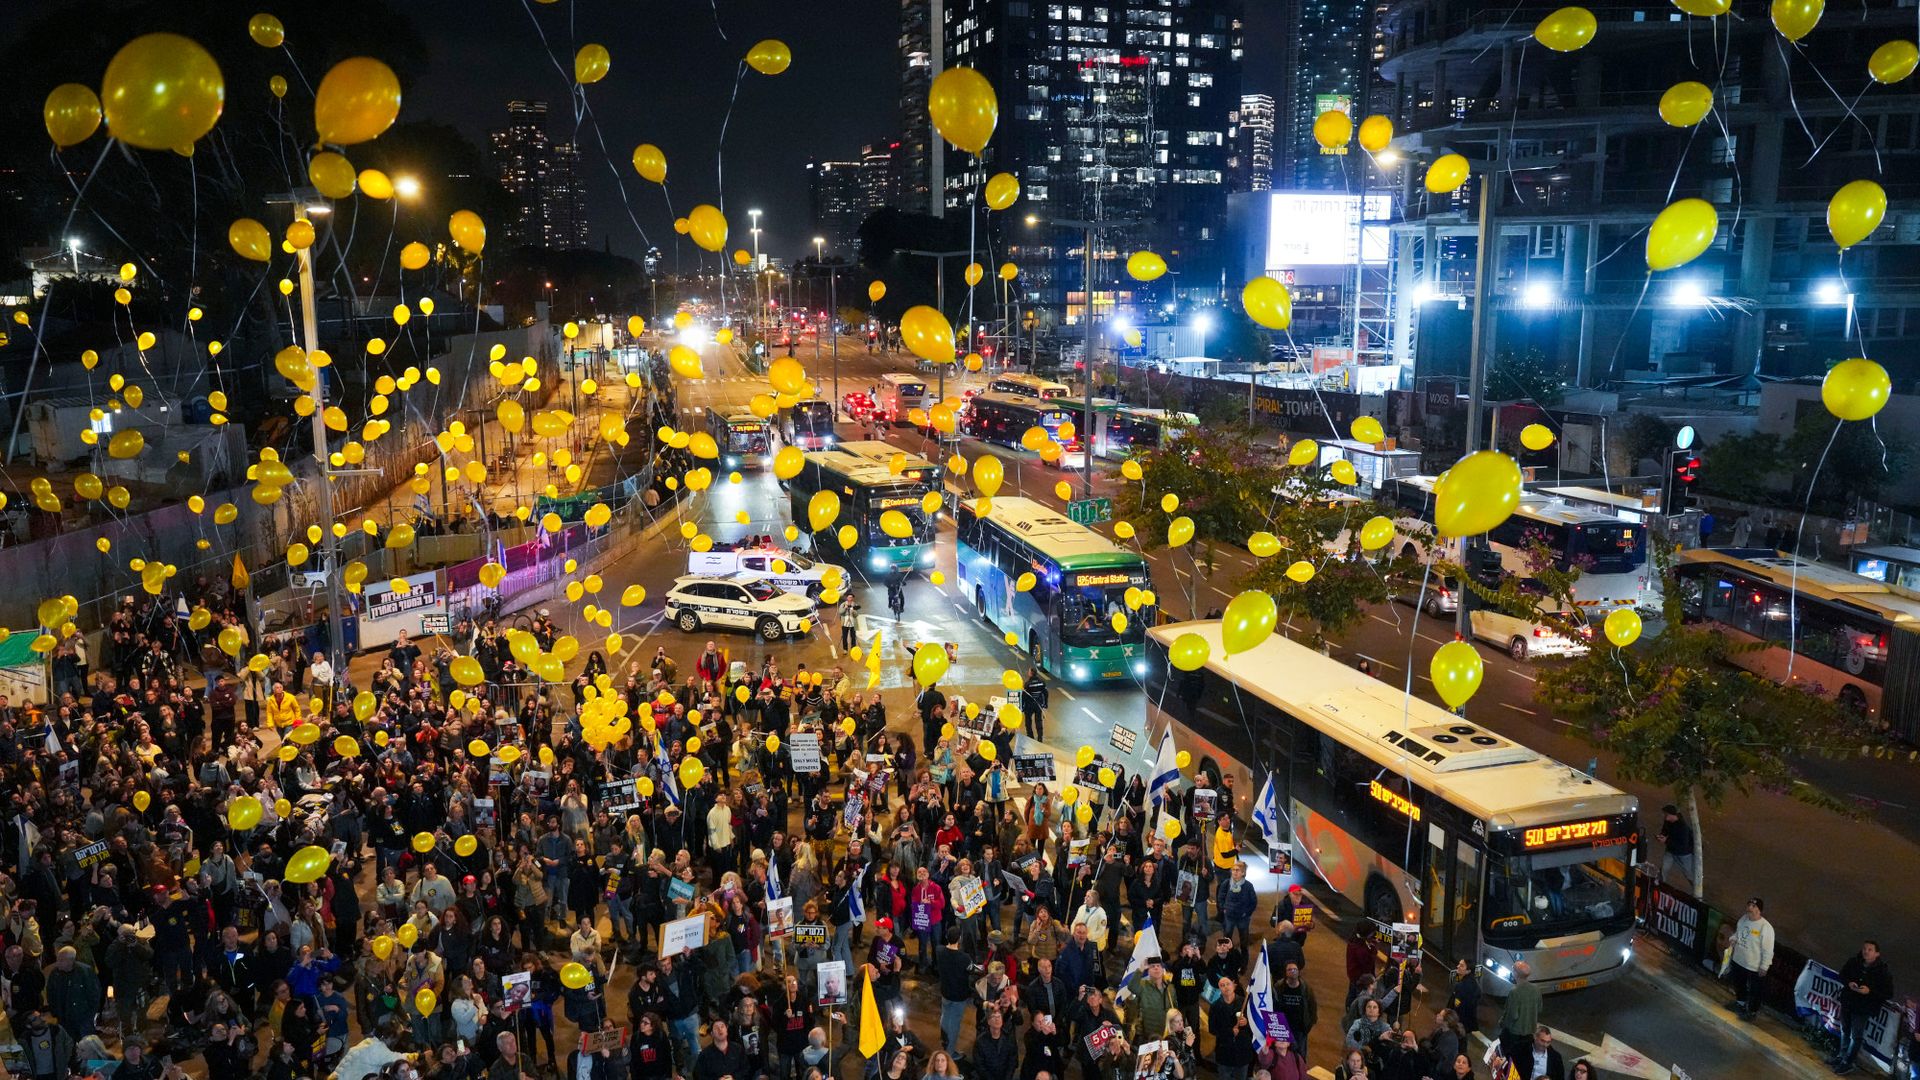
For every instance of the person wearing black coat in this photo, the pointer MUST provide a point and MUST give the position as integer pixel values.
(1866, 984)
(650, 1054)
(1045, 1049)
(722, 1057)
(1465, 998)
(996, 1052)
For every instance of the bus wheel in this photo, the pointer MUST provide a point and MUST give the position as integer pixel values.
(1382, 905)
(1517, 648)
(1033, 651)
(689, 622)
(769, 629)
(1853, 699)
(980, 601)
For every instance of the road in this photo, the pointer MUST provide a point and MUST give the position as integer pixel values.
(1813, 867)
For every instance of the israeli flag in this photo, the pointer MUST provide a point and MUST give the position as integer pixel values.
(854, 906)
(1262, 1018)
(669, 783)
(1266, 814)
(1146, 946)
(773, 877)
(1165, 772)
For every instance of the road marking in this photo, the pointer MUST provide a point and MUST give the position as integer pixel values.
(1377, 660)
(1524, 675)
(1518, 709)
(1223, 592)
(1383, 622)
(1430, 637)
(1068, 694)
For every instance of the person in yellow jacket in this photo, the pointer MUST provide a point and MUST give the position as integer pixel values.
(283, 708)
(1226, 850)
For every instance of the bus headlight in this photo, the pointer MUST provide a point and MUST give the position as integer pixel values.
(1140, 668)
(878, 562)
(926, 558)
(766, 462)
(1626, 954)
(1078, 671)
(826, 440)
(732, 461)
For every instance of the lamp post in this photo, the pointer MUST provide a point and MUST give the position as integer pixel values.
(939, 291)
(755, 230)
(308, 204)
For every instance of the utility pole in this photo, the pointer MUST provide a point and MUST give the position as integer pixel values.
(1484, 268)
(1090, 234)
(939, 292)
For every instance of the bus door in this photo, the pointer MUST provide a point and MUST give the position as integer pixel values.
(1449, 908)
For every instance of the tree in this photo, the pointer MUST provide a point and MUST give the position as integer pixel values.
(1231, 491)
(1744, 468)
(1647, 437)
(1853, 461)
(1677, 713)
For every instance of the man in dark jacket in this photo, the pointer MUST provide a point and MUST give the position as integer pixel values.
(1295, 1000)
(1033, 704)
(1232, 1038)
(1045, 1049)
(996, 1056)
(1866, 984)
(722, 1057)
(73, 993)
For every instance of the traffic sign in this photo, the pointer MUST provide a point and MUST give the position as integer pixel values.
(1090, 511)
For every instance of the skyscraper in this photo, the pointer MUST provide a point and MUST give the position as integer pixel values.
(1328, 67)
(544, 179)
(1252, 135)
(1110, 110)
(920, 167)
(840, 196)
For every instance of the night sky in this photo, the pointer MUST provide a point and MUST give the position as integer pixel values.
(671, 77)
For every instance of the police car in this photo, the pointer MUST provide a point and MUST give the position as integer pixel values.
(790, 570)
(737, 601)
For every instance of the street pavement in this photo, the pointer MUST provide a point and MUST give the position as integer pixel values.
(1762, 843)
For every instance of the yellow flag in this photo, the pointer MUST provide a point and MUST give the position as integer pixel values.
(241, 579)
(873, 1036)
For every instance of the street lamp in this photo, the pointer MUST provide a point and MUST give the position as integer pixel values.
(755, 230)
(407, 187)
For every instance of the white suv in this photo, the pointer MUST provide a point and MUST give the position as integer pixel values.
(739, 602)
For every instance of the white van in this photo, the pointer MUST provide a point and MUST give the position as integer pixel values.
(789, 570)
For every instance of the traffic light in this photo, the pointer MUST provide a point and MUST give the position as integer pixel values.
(1683, 470)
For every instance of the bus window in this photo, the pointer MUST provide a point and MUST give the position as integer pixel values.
(1554, 891)
(1086, 616)
(1608, 548)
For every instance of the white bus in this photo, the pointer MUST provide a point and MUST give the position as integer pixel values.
(900, 395)
(1498, 853)
(1611, 553)
(1032, 386)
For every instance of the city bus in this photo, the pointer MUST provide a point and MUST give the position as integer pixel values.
(860, 472)
(900, 395)
(1004, 418)
(1080, 581)
(1498, 853)
(807, 424)
(1610, 552)
(1121, 430)
(743, 438)
(1033, 386)
(1853, 639)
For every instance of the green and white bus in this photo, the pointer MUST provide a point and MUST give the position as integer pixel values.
(1080, 580)
(861, 473)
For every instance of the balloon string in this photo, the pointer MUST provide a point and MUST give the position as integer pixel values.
(1413, 635)
(1846, 290)
(1872, 139)
(720, 147)
(1792, 99)
(1645, 284)
(380, 268)
(618, 181)
(1793, 580)
(1513, 121)
(301, 75)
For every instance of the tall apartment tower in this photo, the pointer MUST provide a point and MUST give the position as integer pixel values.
(544, 179)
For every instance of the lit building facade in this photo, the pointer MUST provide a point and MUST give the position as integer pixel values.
(544, 179)
(1250, 133)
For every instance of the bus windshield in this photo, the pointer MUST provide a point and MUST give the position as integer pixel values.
(1610, 547)
(813, 418)
(1086, 616)
(878, 503)
(743, 437)
(1557, 892)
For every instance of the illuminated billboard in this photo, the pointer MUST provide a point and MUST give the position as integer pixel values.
(1326, 103)
(1323, 229)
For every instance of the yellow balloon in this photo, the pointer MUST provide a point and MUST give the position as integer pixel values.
(1446, 174)
(357, 100)
(1567, 29)
(1170, 828)
(1536, 437)
(1145, 266)
(307, 865)
(575, 976)
(332, 175)
(1686, 103)
(266, 30)
(382, 947)
(896, 524)
(685, 362)
(1367, 429)
(927, 333)
(1343, 472)
(1268, 303)
(1248, 620)
(1706, 9)
(424, 999)
(988, 474)
(707, 226)
(929, 663)
(250, 240)
(378, 185)
(468, 844)
(72, 114)
(423, 842)
(1623, 626)
(1796, 19)
(407, 935)
(1263, 544)
(1300, 572)
(244, 813)
(787, 375)
(231, 640)
(364, 705)
(591, 64)
(876, 290)
(1002, 190)
(1890, 63)
(1189, 652)
(1332, 129)
(823, 508)
(989, 751)
(1304, 452)
(1456, 669)
(963, 108)
(162, 91)
(1855, 389)
(651, 164)
(1477, 494)
(1179, 531)
(1855, 211)
(346, 746)
(1375, 133)
(468, 231)
(415, 255)
(1681, 233)
(769, 57)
